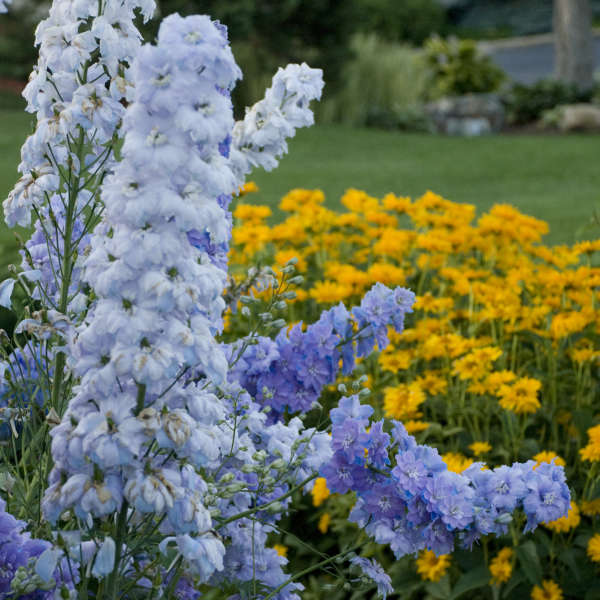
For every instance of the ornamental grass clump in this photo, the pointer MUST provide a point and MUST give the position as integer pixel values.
(147, 452)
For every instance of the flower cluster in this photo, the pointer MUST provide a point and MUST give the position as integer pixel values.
(77, 90)
(290, 372)
(134, 435)
(418, 503)
(260, 138)
(499, 362)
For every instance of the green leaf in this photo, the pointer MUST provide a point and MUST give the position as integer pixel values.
(475, 578)
(567, 556)
(511, 584)
(530, 562)
(440, 589)
(452, 431)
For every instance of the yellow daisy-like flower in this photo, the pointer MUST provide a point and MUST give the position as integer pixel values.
(248, 188)
(395, 360)
(521, 396)
(593, 548)
(251, 212)
(431, 567)
(324, 521)
(280, 549)
(549, 590)
(456, 462)
(432, 383)
(320, 492)
(415, 426)
(590, 508)
(477, 363)
(501, 566)
(402, 402)
(298, 198)
(330, 292)
(591, 452)
(397, 203)
(546, 456)
(565, 524)
(479, 448)
(564, 324)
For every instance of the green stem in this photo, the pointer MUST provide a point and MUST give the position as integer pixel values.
(310, 570)
(112, 586)
(256, 509)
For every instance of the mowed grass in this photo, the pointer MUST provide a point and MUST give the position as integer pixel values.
(554, 178)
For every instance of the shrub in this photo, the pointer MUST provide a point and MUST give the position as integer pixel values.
(411, 21)
(526, 103)
(458, 68)
(380, 84)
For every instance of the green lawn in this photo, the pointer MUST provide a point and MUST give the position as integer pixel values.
(555, 178)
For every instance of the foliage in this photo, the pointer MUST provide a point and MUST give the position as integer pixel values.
(277, 32)
(405, 21)
(458, 68)
(383, 85)
(501, 362)
(526, 103)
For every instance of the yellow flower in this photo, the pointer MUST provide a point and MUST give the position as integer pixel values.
(590, 508)
(456, 462)
(593, 548)
(565, 524)
(477, 363)
(402, 402)
(501, 566)
(548, 591)
(432, 383)
(479, 448)
(324, 521)
(251, 212)
(399, 204)
(394, 242)
(566, 323)
(280, 549)
(283, 256)
(320, 491)
(591, 452)
(386, 274)
(546, 456)
(430, 304)
(395, 360)
(431, 567)
(359, 202)
(330, 292)
(248, 188)
(415, 426)
(295, 199)
(521, 396)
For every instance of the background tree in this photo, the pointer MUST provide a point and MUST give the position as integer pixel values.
(574, 44)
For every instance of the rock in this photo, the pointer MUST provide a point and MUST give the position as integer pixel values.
(579, 117)
(470, 115)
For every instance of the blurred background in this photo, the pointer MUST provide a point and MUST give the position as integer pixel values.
(482, 101)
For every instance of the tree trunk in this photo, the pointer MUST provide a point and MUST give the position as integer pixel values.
(573, 42)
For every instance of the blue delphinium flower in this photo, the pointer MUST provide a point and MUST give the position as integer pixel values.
(374, 571)
(417, 502)
(299, 364)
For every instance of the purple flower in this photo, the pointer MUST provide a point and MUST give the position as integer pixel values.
(374, 571)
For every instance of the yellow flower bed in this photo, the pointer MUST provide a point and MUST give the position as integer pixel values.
(499, 362)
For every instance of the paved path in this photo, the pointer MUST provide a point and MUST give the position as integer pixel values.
(529, 59)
